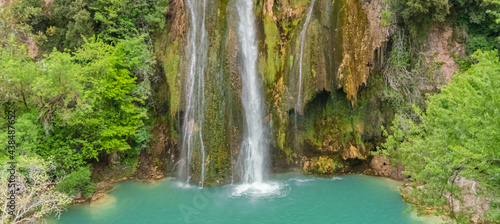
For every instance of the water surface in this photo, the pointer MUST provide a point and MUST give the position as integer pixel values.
(300, 199)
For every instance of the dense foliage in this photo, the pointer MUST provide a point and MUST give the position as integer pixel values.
(64, 24)
(451, 136)
(78, 180)
(457, 136)
(476, 22)
(75, 107)
(35, 196)
(78, 75)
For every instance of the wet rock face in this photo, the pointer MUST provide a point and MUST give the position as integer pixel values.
(332, 127)
(353, 152)
(341, 39)
(223, 118)
(321, 165)
(362, 35)
(338, 55)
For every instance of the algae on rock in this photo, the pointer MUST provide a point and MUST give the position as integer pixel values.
(338, 57)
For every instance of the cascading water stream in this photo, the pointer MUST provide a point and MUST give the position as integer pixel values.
(302, 39)
(196, 55)
(254, 146)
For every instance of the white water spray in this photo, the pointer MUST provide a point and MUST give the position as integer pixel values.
(255, 145)
(196, 55)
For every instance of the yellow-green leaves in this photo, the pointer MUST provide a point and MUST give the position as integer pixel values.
(458, 135)
(76, 107)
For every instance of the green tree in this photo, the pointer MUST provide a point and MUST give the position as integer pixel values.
(76, 181)
(17, 71)
(118, 19)
(104, 110)
(71, 21)
(35, 193)
(88, 104)
(458, 135)
(420, 15)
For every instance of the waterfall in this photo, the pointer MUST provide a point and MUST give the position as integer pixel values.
(302, 39)
(254, 145)
(196, 55)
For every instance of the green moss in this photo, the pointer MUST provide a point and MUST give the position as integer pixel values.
(331, 122)
(156, 162)
(218, 95)
(272, 41)
(324, 165)
(290, 25)
(301, 5)
(439, 64)
(171, 65)
(258, 8)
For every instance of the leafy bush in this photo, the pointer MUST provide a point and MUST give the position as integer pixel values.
(76, 181)
(479, 43)
(420, 15)
(463, 62)
(456, 136)
(387, 17)
(89, 189)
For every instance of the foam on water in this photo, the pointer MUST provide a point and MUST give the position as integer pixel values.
(302, 180)
(184, 185)
(261, 190)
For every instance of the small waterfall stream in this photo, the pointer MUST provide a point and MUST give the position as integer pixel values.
(196, 57)
(254, 145)
(302, 39)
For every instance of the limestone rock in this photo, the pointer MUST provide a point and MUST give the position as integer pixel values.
(383, 167)
(96, 197)
(439, 49)
(104, 186)
(78, 198)
(352, 153)
(470, 200)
